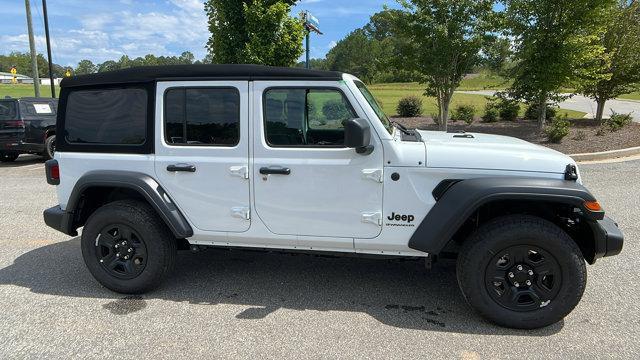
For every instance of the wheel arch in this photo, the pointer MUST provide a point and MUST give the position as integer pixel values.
(97, 188)
(464, 205)
(50, 131)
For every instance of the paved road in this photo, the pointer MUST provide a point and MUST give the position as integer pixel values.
(234, 304)
(584, 104)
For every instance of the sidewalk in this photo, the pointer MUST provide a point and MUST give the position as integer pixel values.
(587, 105)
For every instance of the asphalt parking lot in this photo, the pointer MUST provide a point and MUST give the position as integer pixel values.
(223, 304)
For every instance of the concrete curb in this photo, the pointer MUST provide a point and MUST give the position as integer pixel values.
(607, 155)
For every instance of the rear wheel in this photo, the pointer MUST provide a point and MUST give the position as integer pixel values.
(521, 272)
(50, 147)
(127, 248)
(8, 157)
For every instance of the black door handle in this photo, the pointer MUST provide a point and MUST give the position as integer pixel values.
(182, 167)
(275, 170)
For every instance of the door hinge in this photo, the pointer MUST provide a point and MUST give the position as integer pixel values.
(372, 218)
(241, 212)
(240, 171)
(373, 174)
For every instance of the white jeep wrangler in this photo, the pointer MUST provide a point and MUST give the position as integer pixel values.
(154, 158)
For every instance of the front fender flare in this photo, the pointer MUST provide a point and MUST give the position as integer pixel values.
(464, 197)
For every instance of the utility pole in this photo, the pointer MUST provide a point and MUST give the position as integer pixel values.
(306, 63)
(46, 32)
(32, 47)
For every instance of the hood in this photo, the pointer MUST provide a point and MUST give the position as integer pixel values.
(496, 152)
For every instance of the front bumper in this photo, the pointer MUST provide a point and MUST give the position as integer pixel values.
(607, 236)
(60, 220)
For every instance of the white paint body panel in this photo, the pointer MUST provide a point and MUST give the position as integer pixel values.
(484, 151)
(208, 196)
(333, 198)
(326, 193)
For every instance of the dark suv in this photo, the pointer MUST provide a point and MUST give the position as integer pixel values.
(27, 126)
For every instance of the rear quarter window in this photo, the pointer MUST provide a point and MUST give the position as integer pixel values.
(106, 116)
(38, 109)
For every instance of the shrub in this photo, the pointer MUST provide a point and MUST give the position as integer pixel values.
(490, 113)
(558, 129)
(508, 109)
(464, 113)
(618, 121)
(409, 106)
(335, 110)
(531, 113)
(580, 136)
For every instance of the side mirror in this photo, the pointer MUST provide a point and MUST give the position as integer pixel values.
(357, 134)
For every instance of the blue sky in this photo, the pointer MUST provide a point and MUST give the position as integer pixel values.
(101, 30)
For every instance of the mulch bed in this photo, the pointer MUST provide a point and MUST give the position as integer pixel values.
(582, 136)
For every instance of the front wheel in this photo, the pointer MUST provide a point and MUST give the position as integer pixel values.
(127, 247)
(521, 272)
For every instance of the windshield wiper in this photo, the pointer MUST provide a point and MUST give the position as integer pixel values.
(401, 127)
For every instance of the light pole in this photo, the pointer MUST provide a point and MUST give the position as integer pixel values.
(310, 23)
(46, 32)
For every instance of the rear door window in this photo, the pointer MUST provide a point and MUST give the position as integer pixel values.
(202, 116)
(107, 116)
(8, 110)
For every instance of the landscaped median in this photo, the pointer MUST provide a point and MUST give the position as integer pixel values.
(586, 139)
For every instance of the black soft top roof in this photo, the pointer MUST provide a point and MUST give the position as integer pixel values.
(144, 74)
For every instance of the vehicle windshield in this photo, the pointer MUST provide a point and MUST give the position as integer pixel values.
(376, 107)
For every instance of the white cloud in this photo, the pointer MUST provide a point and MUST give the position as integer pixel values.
(179, 25)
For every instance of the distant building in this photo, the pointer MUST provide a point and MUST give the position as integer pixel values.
(5, 78)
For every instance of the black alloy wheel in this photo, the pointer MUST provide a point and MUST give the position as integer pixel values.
(121, 251)
(521, 271)
(127, 247)
(523, 278)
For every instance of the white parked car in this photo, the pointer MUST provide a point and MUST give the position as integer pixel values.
(153, 159)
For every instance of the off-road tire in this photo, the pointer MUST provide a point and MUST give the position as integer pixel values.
(49, 147)
(513, 232)
(8, 157)
(159, 242)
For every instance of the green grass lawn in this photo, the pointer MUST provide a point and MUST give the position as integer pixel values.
(22, 90)
(389, 95)
(632, 96)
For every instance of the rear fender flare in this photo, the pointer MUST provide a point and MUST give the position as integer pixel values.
(141, 183)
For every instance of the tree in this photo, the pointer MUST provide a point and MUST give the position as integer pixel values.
(366, 51)
(496, 53)
(621, 56)
(356, 54)
(440, 40)
(555, 45)
(316, 64)
(186, 57)
(108, 65)
(254, 31)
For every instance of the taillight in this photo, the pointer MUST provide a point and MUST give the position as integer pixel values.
(13, 123)
(52, 170)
